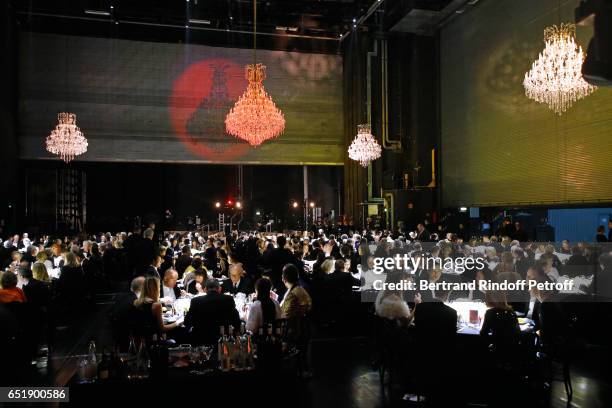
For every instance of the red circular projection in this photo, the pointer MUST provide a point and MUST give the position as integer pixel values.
(201, 98)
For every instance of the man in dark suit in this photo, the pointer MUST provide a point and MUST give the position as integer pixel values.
(183, 260)
(130, 244)
(122, 312)
(436, 331)
(339, 283)
(434, 321)
(153, 268)
(37, 292)
(334, 249)
(144, 252)
(210, 255)
(276, 261)
(208, 313)
(30, 255)
(337, 294)
(506, 229)
(422, 233)
(238, 281)
(519, 232)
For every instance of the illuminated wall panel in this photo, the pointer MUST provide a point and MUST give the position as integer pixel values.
(500, 148)
(141, 101)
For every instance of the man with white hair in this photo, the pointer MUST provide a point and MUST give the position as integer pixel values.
(25, 241)
(86, 249)
(170, 292)
(238, 281)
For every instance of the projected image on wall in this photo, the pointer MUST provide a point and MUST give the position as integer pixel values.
(168, 102)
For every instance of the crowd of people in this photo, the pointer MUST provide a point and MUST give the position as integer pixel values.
(300, 277)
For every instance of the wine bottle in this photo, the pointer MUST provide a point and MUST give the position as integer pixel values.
(238, 353)
(220, 345)
(222, 350)
(248, 351)
(104, 367)
(230, 346)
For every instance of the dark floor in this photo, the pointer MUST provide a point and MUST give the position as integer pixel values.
(343, 375)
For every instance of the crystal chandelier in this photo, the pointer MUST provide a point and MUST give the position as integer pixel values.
(66, 140)
(255, 118)
(364, 147)
(555, 77)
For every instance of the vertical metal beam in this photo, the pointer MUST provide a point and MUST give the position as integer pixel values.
(239, 183)
(84, 199)
(305, 206)
(384, 64)
(370, 54)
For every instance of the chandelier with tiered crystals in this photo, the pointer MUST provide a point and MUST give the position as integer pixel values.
(66, 139)
(364, 147)
(255, 118)
(555, 77)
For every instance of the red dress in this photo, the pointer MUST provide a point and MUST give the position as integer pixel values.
(12, 295)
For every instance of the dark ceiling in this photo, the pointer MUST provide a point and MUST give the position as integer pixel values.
(294, 25)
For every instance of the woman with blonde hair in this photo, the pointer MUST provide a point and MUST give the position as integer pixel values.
(43, 258)
(149, 311)
(40, 273)
(327, 266)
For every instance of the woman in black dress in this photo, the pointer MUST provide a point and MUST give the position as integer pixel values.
(500, 327)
